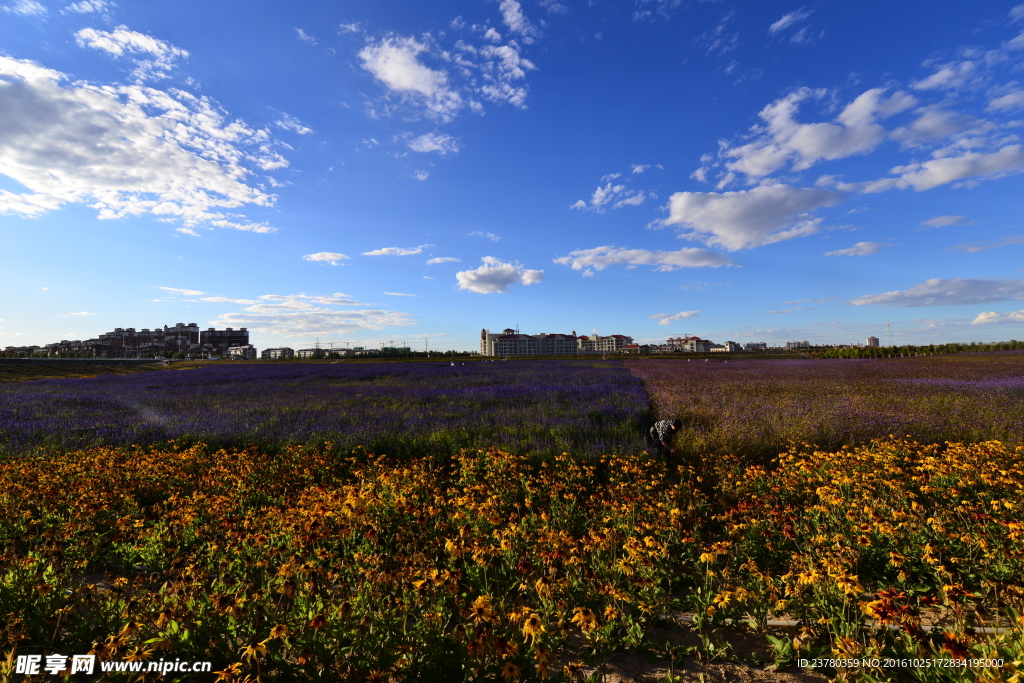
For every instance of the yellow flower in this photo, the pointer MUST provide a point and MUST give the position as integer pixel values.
(533, 627)
(585, 618)
(510, 672)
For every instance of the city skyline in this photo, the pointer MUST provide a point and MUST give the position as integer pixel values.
(405, 173)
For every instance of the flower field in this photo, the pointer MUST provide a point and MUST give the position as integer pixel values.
(492, 567)
(755, 408)
(892, 559)
(541, 408)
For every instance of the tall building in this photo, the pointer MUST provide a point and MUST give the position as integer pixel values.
(512, 343)
(227, 337)
(872, 341)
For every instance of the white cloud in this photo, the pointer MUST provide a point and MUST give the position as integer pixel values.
(495, 276)
(331, 257)
(719, 40)
(399, 294)
(955, 292)
(395, 62)
(305, 37)
(349, 28)
(990, 317)
(121, 42)
(945, 169)
(397, 251)
(442, 259)
(434, 142)
(82, 313)
(489, 235)
(949, 76)
(492, 36)
(288, 122)
(124, 150)
(25, 8)
(932, 123)
(90, 6)
(512, 15)
(188, 231)
(421, 175)
(943, 221)
(783, 140)
(183, 292)
(297, 315)
(617, 196)
(1012, 100)
(749, 218)
(600, 258)
(788, 20)
(977, 247)
(225, 300)
(668, 318)
(859, 249)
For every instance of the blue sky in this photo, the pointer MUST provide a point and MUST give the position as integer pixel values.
(412, 172)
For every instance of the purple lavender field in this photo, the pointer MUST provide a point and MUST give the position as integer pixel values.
(755, 407)
(585, 408)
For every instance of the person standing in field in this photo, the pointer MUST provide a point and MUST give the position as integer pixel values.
(661, 435)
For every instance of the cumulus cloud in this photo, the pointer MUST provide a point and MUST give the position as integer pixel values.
(859, 249)
(943, 221)
(25, 8)
(331, 257)
(125, 150)
(162, 56)
(489, 235)
(288, 122)
(932, 123)
(669, 318)
(782, 140)
(442, 259)
(513, 17)
(434, 142)
(397, 251)
(615, 196)
(600, 258)
(183, 292)
(990, 317)
(943, 170)
(395, 62)
(949, 76)
(749, 218)
(1011, 100)
(954, 292)
(297, 315)
(496, 276)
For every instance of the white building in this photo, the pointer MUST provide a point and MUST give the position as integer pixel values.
(872, 341)
(278, 354)
(755, 346)
(511, 343)
(244, 352)
(689, 344)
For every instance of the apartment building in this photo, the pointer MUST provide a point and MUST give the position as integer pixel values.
(511, 343)
(278, 354)
(689, 344)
